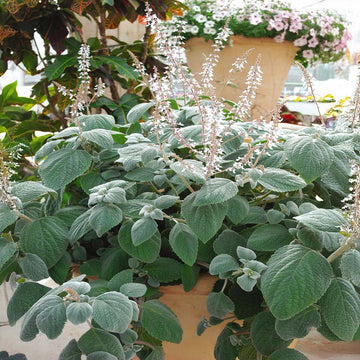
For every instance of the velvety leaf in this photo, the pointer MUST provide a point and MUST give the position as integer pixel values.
(69, 214)
(100, 137)
(337, 177)
(138, 111)
(78, 312)
(275, 216)
(63, 166)
(7, 216)
(340, 308)
(189, 276)
(99, 340)
(264, 336)
(146, 252)
(256, 215)
(350, 265)
(297, 273)
(71, 351)
(269, 237)
(190, 169)
(60, 270)
(227, 243)
(165, 201)
(121, 278)
(51, 320)
(287, 354)
(101, 355)
(214, 191)
(184, 243)
(25, 296)
(299, 325)
(246, 283)
(45, 237)
(310, 237)
(311, 157)
(157, 354)
(204, 220)
(223, 263)
(31, 190)
(80, 227)
(323, 220)
(164, 269)
(218, 304)
(142, 230)
(224, 350)
(7, 251)
(140, 174)
(103, 217)
(280, 180)
(129, 336)
(238, 209)
(96, 121)
(134, 290)
(33, 267)
(112, 311)
(160, 322)
(113, 260)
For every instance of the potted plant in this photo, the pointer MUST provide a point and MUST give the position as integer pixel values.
(191, 191)
(274, 29)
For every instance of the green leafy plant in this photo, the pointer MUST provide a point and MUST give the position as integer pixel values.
(165, 199)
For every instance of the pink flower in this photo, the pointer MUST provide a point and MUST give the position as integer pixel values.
(295, 27)
(301, 41)
(255, 18)
(308, 54)
(278, 25)
(313, 42)
(347, 36)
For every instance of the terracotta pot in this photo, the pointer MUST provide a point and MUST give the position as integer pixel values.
(316, 347)
(276, 59)
(189, 308)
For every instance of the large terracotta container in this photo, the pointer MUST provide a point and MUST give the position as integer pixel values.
(276, 59)
(189, 308)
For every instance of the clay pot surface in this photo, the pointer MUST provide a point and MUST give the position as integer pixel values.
(276, 59)
(189, 308)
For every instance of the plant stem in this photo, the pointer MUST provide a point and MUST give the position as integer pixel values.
(172, 187)
(141, 342)
(258, 356)
(203, 263)
(174, 219)
(143, 55)
(24, 217)
(224, 286)
(337, 253)
(101, 21)
(185, 182)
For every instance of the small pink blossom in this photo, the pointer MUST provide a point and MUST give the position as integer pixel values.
(308, 54)
(301, 41)
(255, 18)
(278, 25)
(313, 42)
